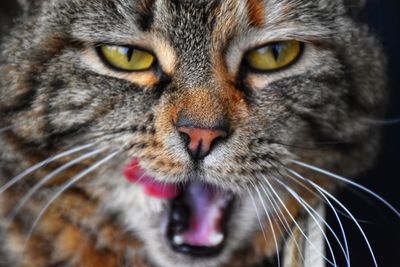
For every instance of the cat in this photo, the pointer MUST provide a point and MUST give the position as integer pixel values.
(172, 132)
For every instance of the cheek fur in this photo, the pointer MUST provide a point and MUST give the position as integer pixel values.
(64, 111)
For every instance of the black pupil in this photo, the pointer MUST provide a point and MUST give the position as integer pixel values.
(276, 50)
(129, 54)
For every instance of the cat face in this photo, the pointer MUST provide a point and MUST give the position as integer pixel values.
(212, 99)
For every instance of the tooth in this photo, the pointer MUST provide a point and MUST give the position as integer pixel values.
(179, 239)
(216, 239)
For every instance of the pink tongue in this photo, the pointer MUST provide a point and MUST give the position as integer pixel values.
(207, 205)
(151, 187)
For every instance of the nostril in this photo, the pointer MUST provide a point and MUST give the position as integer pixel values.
(217, 141)
(185, 137)
(200, 141)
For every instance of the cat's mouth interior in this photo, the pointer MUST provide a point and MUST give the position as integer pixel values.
(198, 213)
(198, 217)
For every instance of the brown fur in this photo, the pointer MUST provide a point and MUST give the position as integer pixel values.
(58, 93)
(256, 12)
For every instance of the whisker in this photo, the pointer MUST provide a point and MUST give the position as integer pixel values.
(382, 121)
(257, 213)
(34, 121)
(45, 162)
(98, 132)
(329, 203)
(314, 146)
(323, 191)
(282, 219)
(7, 128)
(41, 164)
(19, 123)
(338, 177)
(63, 188)
(326, 201)
(297, 225)
(320, 197)
(311, 211)
(49, 177)
(271, 225)
(278, 212)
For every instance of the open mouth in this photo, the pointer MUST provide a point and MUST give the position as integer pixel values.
(198, 214)
(198, 220)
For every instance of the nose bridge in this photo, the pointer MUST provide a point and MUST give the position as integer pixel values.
(203, 108)
(202, 121)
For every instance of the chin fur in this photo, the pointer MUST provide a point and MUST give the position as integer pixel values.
(146, 217)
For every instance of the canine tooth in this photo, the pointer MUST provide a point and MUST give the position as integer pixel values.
(216, 239)
(179, 239)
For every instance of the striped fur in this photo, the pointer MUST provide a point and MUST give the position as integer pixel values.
(57, 94)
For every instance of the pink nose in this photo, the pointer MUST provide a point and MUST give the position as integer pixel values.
(200, 141)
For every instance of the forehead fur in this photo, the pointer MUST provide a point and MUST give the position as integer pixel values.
(198, 31)
(191, 24)
(111, 14)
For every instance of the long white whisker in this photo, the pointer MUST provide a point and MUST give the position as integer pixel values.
(382, 121)
(329, 203)
(277, 211)
(338, 177)
(63, 188)
(322, 198)
(12, 126)
(311, 211)
(297, 225)
(39, 165)
(49, 177)
(271, 225)
(31, 121)
(258, 215)
(323, 191)
(7, 128)
(282, 219)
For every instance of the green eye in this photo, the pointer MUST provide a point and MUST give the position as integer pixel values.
(126, 58)
(274, 56)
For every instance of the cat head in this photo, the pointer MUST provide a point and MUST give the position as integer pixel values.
(212, 99)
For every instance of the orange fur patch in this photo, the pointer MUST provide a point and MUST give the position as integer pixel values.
(256, 12)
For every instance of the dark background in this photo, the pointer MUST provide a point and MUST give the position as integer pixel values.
(382, 228)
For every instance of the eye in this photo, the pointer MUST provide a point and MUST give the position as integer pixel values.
(126, 58)
(274, 56)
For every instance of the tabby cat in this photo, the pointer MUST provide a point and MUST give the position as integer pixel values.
(179, 133)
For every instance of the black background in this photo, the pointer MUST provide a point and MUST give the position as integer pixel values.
(383, 228)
